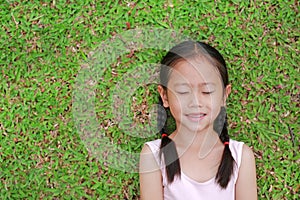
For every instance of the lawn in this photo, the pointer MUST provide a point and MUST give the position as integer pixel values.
(78, 90)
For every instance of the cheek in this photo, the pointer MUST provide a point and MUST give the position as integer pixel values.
(176, 105)
(215, 103)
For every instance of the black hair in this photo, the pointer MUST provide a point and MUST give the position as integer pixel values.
(183, 51)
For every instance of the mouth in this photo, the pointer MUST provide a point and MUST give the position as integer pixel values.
(196, 116)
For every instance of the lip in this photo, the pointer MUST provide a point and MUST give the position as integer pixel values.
(195, 117)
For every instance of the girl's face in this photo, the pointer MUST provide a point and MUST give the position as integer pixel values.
(195, 94)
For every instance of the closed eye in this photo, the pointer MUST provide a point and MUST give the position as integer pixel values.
(208, 92)
(182, 92)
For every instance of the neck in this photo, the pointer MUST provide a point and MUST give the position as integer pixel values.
(202, 141)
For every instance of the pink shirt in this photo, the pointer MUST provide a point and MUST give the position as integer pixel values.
(187, 188)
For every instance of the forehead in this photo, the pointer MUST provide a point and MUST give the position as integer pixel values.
(194, 72)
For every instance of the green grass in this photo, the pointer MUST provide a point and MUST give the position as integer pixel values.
(44, 46)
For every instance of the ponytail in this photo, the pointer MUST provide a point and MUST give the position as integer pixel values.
(169, 152)
(225, 169)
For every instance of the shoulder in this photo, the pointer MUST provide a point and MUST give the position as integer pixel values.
(154, 144)
(150, 172)
(236, 149)
(151, 146)
(245, 149)
(235, 143)
(246, 187)
(149, 156)
(247, 154)
(248, 160)
(241, 152)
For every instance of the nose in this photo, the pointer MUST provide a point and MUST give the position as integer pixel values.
(196, 99)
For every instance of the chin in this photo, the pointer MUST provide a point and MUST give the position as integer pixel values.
(198, 127)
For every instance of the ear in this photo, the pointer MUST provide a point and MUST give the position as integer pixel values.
(226, 94)
(163, 94)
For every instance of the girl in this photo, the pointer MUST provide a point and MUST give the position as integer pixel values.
(197, 160)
